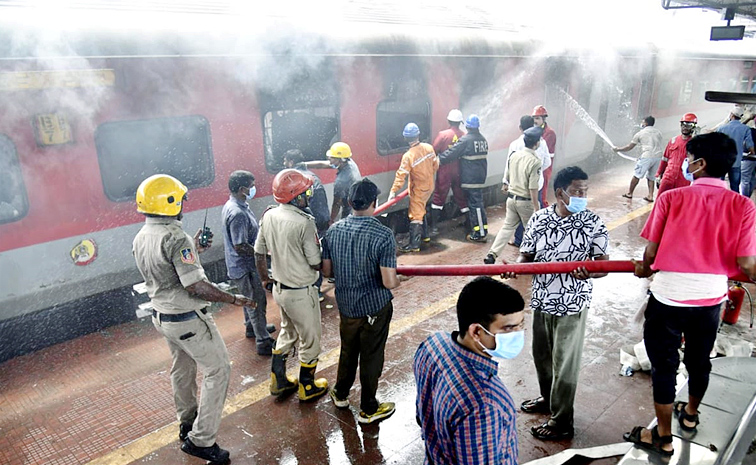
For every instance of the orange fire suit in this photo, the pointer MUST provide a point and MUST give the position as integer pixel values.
(421, 163)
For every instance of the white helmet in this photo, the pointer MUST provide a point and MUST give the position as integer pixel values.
(455, 116)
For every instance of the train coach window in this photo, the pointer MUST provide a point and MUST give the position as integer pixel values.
(311, 130)
(686, 90)
(664, 97)
(13, 202)
(130, 151)
(744, 81)
(393, 115)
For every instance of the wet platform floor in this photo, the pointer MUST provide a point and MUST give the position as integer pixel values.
(106, 398)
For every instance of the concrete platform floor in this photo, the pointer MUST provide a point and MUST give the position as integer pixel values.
(106, 398)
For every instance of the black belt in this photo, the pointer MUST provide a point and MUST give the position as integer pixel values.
(517, 197)
(289, 288)
(749, 158)
(176, 318)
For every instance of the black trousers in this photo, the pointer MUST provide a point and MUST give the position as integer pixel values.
(663, 332)
(363, 344)
(477, 213)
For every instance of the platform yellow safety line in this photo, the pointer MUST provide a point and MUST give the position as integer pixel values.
(167, 434)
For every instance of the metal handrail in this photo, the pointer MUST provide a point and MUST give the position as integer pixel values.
(737, 446)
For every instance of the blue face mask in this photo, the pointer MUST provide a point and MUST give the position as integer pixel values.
(251, 193)
(577, 204)
(508, 345)
(688, 176)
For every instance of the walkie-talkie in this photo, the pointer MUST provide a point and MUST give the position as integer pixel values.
(206, 234)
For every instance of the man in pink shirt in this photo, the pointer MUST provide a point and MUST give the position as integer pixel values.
(697, 237)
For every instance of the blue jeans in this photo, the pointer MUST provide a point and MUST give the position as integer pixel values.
(747, 177)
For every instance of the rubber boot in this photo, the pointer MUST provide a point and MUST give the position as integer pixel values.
(414, 241)
(281, 385)
(424, 229)
(309, 387)
(435, 220)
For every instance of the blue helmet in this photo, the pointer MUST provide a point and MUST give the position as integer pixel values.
(411, 130)
(473, 122)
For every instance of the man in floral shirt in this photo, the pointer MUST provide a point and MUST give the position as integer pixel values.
(565, 231)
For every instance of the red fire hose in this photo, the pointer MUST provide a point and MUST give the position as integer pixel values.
(599, 266)
(385, 206)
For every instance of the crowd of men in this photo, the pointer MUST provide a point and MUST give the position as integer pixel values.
(463, 408)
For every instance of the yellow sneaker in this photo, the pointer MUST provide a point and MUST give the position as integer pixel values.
(385, 410)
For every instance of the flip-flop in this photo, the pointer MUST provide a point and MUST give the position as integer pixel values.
(647, 199)
(627, 196)
(537, 405)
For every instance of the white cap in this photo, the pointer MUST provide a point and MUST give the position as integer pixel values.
(737, 110)
(455, 116)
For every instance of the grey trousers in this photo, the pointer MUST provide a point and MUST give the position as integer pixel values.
(198, 343)
(255, 318)
(557, 351)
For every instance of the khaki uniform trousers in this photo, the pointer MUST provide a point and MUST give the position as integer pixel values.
(197, 343)
(518, 211)
(300, 321)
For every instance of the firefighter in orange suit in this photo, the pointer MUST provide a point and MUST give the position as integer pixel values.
(420, 163)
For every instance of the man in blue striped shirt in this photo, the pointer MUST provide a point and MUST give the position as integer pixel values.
(361, 254)
(466, 414)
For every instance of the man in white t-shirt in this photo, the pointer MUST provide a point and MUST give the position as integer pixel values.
(651, 142)
(526, 122)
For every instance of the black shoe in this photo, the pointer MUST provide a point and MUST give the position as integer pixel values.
(266, 349)
(212, 454)
(249, 333)
(476, 238)
(490, 259)
(185, 427)
(271, 328)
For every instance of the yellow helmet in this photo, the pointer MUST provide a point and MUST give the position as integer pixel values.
(160, 194)
(339, 150)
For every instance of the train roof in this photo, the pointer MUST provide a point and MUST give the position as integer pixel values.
(121, 28)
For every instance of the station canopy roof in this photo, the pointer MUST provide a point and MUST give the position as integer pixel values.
(745, 8)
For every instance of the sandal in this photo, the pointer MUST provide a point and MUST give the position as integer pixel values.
(538, 405)
(656, 443)
(549, 432)
(627, 196)
(648, 199)
(683, 416)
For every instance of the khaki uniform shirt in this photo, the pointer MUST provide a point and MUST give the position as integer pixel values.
(421, 163)
(291, 238)
(167, 259)
(523, 172)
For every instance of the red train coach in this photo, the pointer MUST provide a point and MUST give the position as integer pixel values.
(82, 127)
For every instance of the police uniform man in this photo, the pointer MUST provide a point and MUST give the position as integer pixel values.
(472, 150)
(176, 283)
(289, 234)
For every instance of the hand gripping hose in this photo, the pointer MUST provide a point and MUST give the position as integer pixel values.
(385, 206)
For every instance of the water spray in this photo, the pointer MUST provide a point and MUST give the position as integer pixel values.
(581, 113)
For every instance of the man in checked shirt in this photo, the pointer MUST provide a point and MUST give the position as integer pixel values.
(466, 414)
(361, 254)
